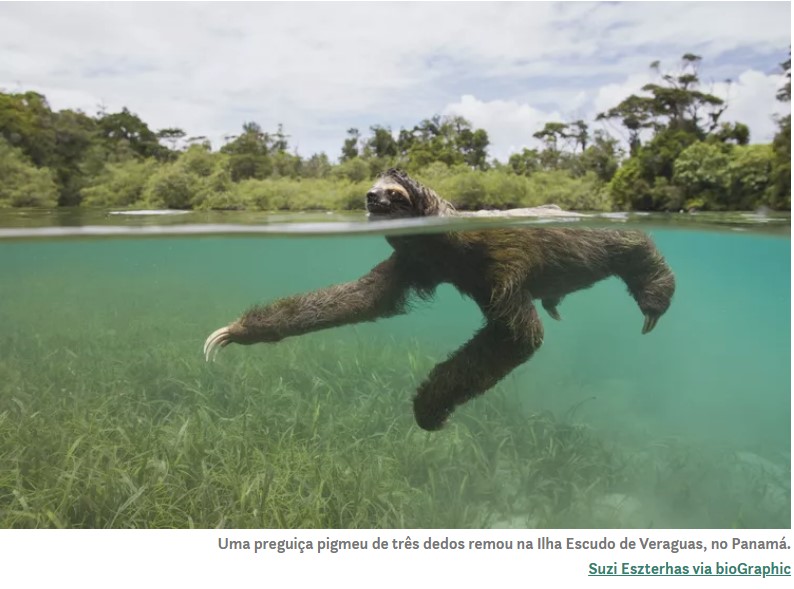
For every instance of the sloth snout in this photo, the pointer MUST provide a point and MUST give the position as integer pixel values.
(377, 199)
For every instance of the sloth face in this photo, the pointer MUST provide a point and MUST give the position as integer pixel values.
(395, 194)
(388, 198)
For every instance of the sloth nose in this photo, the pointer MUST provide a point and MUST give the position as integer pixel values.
(377, 198)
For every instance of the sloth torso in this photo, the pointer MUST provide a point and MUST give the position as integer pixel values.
(546, 263)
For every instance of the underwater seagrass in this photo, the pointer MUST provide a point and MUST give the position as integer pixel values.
(503, 270)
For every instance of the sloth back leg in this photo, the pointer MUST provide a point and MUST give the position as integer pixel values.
(493, 352)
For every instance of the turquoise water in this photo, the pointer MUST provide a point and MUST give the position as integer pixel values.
(101, 370)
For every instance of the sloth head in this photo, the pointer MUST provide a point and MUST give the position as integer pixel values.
(395, 194)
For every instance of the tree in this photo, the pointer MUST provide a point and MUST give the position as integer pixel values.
(355, 170)
(551, 135)
(525, 163)
(602, 156)
(474, 145)
(249, 153)
(578, 131)
(701, 172)
(714, 176)
(780, 191)
(172, 136)
(562, 141)
(682, 118)
(751, 177)
(635, 114)
(681, 103)
(434, 140)
(119, 184)
(60, 141)
(280, 143)
(628, 189)
(317, 166)
(198, 178)
(657, 157)
(23, 184)
(171, 186)
(199, 160)
(675, 103)
(199, 140)
(405, 140)
(350, 146)
(128, 128)
(784, 93)
(447, 139)
(75, 133)
(381, 144)
(26, 121)
(286, 165)
(736, 133)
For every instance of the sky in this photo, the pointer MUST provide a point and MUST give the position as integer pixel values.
(321, 68)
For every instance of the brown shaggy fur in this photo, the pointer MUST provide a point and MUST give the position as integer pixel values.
(503, 270)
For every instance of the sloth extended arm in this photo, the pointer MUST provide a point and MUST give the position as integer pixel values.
(380, 293)
(495, 350)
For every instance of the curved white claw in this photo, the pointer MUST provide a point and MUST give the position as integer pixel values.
(650, 323)
(217, 339)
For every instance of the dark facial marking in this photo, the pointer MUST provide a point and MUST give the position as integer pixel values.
(387, 197)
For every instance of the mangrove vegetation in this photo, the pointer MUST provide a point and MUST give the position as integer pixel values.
(670, 151)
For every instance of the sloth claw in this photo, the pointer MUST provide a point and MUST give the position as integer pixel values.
(217, 340)
(554, 313)
(650, 323)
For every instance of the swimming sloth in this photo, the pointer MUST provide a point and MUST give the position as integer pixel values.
(505, 271)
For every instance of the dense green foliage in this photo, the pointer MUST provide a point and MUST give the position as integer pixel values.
(693, 161)
(23, 184)
(680, 157)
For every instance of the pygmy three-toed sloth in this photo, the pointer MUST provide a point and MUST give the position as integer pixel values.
(504, 270)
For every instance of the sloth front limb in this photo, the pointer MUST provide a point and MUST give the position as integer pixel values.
(380, 293)
(494, 351)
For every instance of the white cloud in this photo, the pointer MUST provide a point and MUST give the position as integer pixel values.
(751, 100)
(610, 95)
(707, 27)
(320, 68)
(510, 124)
